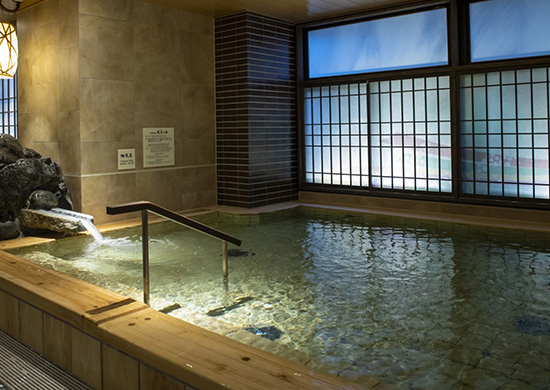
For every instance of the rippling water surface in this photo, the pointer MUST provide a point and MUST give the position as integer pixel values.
(409, 303)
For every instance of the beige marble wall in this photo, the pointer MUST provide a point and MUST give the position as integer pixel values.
(48, 93)
(94, 73)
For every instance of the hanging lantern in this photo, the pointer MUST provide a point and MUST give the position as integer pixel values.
(8, 51)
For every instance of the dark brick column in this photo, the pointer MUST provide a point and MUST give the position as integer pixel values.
(257, 153)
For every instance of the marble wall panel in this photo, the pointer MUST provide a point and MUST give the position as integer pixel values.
(198, 61)
(106, 48)
(114, 9)
(198, 110)
(158, 84)
(198, 199)
(70, 148)
(45, 126)
(98, 73)
(69, 86)
(68, 23)
(196, 23)
(47, 13)
(107, 110)
(198, 179)
(201, 151)
(162, 187)
(48, 149)
(157, 30)
(46, 53)
(103, 190)
(102, 157)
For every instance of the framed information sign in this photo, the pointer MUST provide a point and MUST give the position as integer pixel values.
(158, 147)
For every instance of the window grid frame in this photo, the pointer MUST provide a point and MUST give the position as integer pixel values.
(433, 184)
(516, 119)
(316, 176)
(459, 64)
(8, 99)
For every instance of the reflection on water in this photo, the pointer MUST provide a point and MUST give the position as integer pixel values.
(413, 304)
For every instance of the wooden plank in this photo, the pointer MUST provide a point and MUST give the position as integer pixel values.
(207, 360)
(31, 327)
(57, 342)
(60, 295)
(86, 358)
(120, 372)
(9, 314)
(23, 242)
(187, 352)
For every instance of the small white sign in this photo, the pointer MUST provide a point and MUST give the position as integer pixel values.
(158, 147)
(126, 159)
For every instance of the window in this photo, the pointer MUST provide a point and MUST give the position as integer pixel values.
(502, 29)
(410, 134)
(335, 134)
(504, 120)
(462, 131)
(8, 106)
(399, 42)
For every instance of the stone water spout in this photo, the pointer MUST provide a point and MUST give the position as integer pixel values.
(28, 181)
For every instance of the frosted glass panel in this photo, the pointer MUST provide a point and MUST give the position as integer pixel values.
(335, 134)
(502, 29)
(399, 42)
(410, 146)
(506, 156)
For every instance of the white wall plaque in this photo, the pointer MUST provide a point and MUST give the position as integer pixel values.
(126, 159)
(158, 147)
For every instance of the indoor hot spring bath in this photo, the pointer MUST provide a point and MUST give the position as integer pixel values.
(403, 302)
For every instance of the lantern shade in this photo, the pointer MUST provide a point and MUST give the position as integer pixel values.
(8, 51)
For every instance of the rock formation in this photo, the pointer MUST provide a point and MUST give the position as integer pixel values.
(22, 173)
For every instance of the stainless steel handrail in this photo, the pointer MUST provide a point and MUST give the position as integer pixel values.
(144, 207)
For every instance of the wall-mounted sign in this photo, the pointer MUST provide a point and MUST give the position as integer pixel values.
(126, 159)
(158, 147)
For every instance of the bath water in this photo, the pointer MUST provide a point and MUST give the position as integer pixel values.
(409, 303)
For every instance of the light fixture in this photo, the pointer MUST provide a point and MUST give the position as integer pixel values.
(8, 51)
(11, 10)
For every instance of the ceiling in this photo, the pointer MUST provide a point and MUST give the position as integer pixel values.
(294, 11)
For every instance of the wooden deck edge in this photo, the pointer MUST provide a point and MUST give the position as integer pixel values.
(190, 354)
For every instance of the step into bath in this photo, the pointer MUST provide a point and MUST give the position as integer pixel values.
(23, 369)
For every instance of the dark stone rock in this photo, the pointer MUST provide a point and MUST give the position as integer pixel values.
(30, 153)
(22, 172)
(20, 179)
(42, 223)
(10, 149)
(41, 199)
(64, 200)
(9, 230)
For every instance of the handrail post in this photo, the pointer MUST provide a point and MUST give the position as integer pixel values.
(145, 251)
(225, 265)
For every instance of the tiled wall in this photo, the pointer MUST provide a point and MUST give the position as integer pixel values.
(95, 73)
(255, 110)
